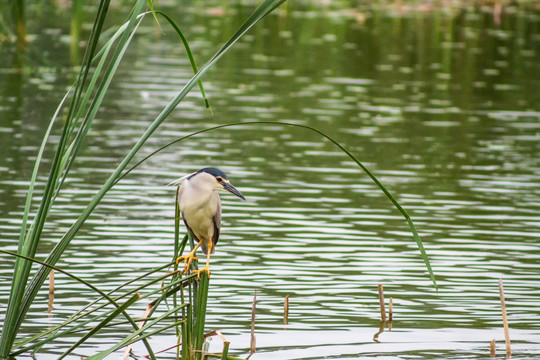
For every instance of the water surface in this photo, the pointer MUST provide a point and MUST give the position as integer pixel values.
(441, 104)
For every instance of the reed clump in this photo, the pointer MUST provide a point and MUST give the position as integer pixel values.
(79, 108)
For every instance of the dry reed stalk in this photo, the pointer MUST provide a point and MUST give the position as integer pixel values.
(140, 325)
(492, 349)
(218, 333)
(286, 310)
(381, 302)
(381, 330)
(252, 345)
(505, 319)
(226, 343)
(51, 282)
(147, 356)
(390, 314)
(51, 292)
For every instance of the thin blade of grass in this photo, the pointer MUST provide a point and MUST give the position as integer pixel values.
(396, 204)
(74, 277)
(80, 314)
(138, 335)
(103, 323)
(86, 283)
(200, 312)
(153, 11)
(61, 330)
(28, 202)
(30, 193)
(74, 148)
(187, 326)
(189, 54)
(177, 252)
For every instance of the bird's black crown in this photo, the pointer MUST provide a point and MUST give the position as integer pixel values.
(214, 172)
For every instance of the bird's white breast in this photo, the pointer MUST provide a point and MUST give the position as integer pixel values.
(199, 202)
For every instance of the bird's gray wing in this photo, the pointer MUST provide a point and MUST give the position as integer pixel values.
(217, 225)
(190, 231)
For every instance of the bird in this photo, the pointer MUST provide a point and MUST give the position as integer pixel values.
(200, 206)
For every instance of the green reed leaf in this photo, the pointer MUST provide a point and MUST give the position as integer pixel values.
(387, 193)
(103, 323)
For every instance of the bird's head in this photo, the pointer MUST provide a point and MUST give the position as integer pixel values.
(217, 179)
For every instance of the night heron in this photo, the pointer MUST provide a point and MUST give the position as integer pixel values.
(200, 206)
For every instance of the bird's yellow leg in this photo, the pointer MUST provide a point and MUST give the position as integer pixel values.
(207, 267)
(189, 257)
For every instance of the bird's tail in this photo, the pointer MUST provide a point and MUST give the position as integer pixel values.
(179, 181)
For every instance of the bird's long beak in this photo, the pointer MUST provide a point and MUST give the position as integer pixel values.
(230, 188)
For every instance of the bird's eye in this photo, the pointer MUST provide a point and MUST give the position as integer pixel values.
(219, 179)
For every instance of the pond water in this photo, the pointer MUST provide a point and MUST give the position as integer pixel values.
(442, 104)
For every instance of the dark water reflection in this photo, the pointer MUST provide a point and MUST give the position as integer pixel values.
(441, 104)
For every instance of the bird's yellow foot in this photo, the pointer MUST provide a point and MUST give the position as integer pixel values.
(198, 272)
(187, 260)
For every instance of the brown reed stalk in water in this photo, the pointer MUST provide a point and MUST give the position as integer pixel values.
(390, 314)
(381, 302)
(390, 310)
(505, 320)
(252, 345)
(286, 310)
